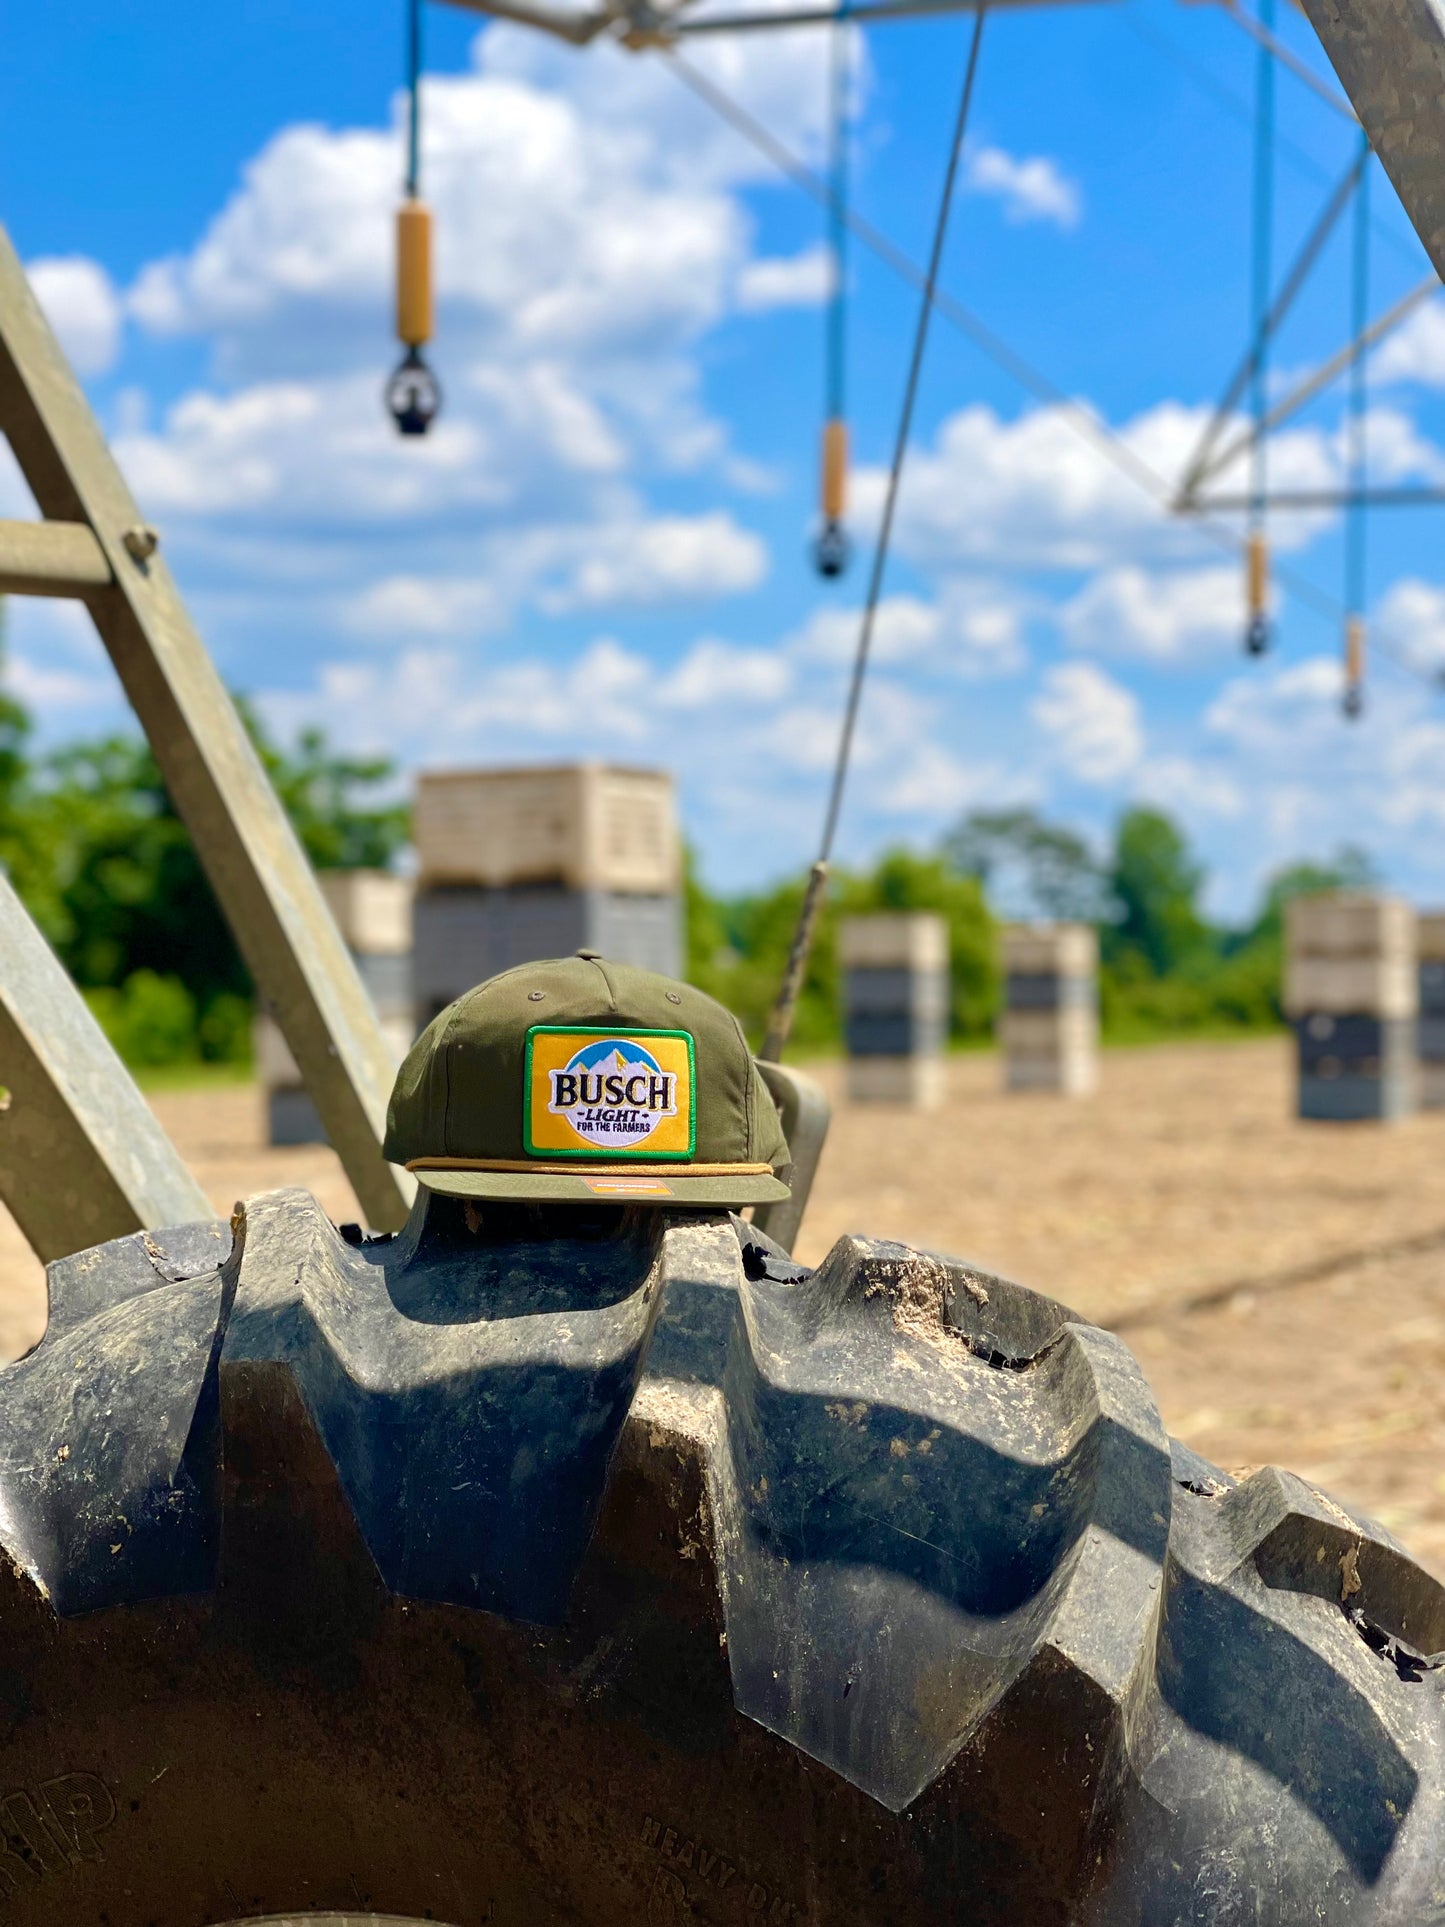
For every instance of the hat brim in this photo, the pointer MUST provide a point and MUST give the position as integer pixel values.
(655, 1184)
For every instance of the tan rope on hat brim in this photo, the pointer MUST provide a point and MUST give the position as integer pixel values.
(659, 1168)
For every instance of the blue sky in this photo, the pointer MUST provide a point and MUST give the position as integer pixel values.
(602, 549)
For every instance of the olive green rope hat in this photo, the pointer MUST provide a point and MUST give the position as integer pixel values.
(575, 1078)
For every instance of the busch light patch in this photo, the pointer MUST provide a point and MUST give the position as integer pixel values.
(609, 1094)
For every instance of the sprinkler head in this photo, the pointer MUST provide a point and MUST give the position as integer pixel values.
(1256, 636)
(413, 395)
(832, 549)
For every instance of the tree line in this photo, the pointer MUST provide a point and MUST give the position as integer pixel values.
(94, 847)
(1165, 968)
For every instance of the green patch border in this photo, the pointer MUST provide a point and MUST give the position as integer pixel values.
(599, 1152)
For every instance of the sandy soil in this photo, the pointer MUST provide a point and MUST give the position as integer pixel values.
(1283, 1284)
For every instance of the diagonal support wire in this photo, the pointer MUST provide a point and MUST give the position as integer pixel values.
(1287, 57)
(1299, 272)
(1321, 377)
(780, 1022)
(1079, 417)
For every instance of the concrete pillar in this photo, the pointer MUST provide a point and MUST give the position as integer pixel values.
(1430, 926)
(1049, 1029)
(895, 1006)
(372, 909)
(516, 864)
(1352, 993)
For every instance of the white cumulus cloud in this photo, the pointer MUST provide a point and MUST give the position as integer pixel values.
(1415, 351)
(1289, 713)
(582, 204)
(973, 627)
(1034, 492)
(1192, 787)
(663, 559)
(1030, 187)
(82, 306)
(1160, 614)
(1315, 781)
(904, 627)
(786, 281)
(55, 664)
(1412, 615)
(589, 230)
(1092, 722)
(715, 673)
(406, 607)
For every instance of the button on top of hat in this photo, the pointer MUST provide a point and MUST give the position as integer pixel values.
(591, 956)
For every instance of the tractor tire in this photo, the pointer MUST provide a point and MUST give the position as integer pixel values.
(481, 1574)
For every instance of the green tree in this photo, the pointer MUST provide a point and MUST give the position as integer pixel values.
(758, 931)
(337, 803)
(151, 1020)
(1155, 885)
(106, 867)
(1030, 866)
(1242, 985)
(746, 968)
(1349, 869)
(707, 946)
(123, 890)
(14, 737)
(131, 891)
(903, 880)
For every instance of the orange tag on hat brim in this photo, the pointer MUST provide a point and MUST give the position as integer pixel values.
(630, 1187)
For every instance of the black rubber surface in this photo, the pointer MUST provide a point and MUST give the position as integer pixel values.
(490, 1575)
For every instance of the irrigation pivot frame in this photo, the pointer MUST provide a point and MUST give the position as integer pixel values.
(94, 546)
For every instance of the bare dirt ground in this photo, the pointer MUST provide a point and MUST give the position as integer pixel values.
(1283, 1283)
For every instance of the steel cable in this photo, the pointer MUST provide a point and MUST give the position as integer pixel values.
(781, 1021)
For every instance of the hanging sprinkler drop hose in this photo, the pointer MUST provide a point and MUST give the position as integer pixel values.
(1256, 634)
(413, 395)
(1257, 629)
(832, 549)
(1353, 699)
(780, 1023)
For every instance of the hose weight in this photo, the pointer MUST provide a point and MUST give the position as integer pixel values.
(413, 273)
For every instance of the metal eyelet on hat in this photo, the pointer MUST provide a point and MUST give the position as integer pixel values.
(672, 996)
(535, 996)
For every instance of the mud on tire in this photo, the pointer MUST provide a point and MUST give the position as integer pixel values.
(489, 1577)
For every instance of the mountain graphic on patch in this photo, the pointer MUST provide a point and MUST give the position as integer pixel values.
(613, 1092)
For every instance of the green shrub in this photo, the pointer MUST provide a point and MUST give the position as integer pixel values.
(738, 948)
(223, 1034)
(150, 1019)
(903, 880)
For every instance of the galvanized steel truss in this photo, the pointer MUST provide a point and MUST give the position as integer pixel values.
(94, 546)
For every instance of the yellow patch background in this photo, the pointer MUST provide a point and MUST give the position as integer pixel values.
(553, 1051)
